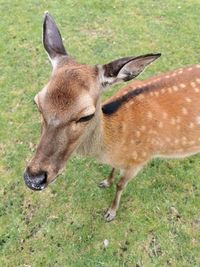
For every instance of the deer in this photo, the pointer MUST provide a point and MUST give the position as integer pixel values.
(147, 119)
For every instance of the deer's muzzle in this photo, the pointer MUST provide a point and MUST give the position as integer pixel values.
(35, 181)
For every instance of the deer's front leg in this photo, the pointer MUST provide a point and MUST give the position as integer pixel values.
(108, 182)
(125, 178)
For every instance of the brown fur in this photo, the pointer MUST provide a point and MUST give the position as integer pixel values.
(154, 124)
(160, 119)
(162, 122)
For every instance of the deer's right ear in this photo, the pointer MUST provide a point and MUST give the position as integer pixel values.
(52, 40)
(124, 69)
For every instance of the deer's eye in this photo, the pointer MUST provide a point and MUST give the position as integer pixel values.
(86, 118)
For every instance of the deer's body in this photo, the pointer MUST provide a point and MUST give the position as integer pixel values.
(159, 117)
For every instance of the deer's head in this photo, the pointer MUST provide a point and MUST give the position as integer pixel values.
(69, 104)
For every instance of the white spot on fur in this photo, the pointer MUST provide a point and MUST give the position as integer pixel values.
(188, 99)
(184, 140)
(178, 119)
(135, 155)
(149, 115)
(173, 121)
(152, 132)
(182, 85)
(193, 84)
(196, 90)
(198, 119)
(128, 104)
(180, 150)
(175, 88)
(191, 125)
(140, 96)
(144, 154)
(143, 128)
(191, 143)
(138, 133)
(124, 127)
(160, 124)
(198, 81)
(184, 111)
(165, 115)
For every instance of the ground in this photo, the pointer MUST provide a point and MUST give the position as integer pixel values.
(158, 223)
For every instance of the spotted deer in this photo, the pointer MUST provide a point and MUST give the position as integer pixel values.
(158, 117)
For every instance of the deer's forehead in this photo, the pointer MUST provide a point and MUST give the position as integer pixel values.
(67, 84)
(73, 76)
(68, 94)
(62, 102)
(84, 106)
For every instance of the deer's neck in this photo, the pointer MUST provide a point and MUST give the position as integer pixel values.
(92, 143)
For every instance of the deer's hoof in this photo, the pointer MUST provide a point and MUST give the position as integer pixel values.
(104, 184)
(110, 215)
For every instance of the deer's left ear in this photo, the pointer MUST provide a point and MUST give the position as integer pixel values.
(124, 69)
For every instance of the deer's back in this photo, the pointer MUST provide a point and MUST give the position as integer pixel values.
(156, 117)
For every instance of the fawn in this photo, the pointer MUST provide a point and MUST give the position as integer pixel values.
(159, 117)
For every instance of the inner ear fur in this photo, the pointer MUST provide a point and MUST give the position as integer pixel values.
(124, 69)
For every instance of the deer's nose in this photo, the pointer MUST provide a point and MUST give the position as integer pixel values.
(35, 181)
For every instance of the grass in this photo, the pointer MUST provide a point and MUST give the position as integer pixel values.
(158, 223)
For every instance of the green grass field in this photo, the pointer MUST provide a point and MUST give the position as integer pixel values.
(158, 223)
